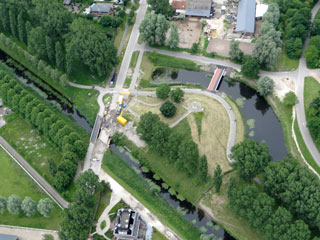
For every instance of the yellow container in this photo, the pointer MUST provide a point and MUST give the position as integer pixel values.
(122, 120)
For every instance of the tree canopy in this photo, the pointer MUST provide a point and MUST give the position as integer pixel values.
(168, 109)
(265, 85)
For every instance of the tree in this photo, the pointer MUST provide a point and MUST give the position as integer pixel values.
(146, 124)
(266, 51)
(174, 36)
(68, 167)
(87, 186)
(45, 207)
(265, 86)
(3, 204)
(160, 137)
(163, 90)
(37, 43)
(174, 142)
(250, 158)
(61, 181)
(294, 47)
(161, 7)
(13, 23)
(22, 28)
(59, 56)
(315, 27)
(312, 56)
(203, 168)
(217, 178)
(29, 207)
(14, 204)
(168, 109)
(235, 52)
(290, 99)
(52, 167)
(50, 49)
(188, 157)
(177, 95)
(194, 48)
(153, 29)
(250, 68)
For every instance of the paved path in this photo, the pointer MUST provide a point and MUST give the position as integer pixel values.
(131, 45)
(45, 186)
(27, 233)
(303, 72)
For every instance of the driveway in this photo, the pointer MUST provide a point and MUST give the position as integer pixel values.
(27, 233)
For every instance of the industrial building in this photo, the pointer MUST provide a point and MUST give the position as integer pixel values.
(199, 8)
(246, 17)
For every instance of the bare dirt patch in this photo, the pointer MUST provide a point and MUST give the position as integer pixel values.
(283, 85)
(189, 32)
(222, 47)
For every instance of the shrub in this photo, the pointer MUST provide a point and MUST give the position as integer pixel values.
(168, 109)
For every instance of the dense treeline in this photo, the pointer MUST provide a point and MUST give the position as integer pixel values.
(79, 216)
(287, 206)
(49, 123)
(182, 152)
(312, 53)
(295, 21)
(314, 118)
(57, 36)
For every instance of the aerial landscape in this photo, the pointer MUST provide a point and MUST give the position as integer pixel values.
(159, 119)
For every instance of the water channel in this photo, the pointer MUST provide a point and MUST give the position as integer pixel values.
(195, 215)
(48, 93)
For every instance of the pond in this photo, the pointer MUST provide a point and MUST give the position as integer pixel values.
(167, 75)
(48, 93)
(261, 121)
(195, 215)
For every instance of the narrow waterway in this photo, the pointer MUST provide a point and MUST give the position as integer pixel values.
(195, 215)
(48, 93)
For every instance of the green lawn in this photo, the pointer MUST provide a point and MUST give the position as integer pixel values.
(128, 178)
(156, 235)
(15, 181)
(134, 59)
(285, 63)
(30, 145)
(104, 202)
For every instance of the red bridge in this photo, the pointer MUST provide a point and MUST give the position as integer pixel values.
(216, 79)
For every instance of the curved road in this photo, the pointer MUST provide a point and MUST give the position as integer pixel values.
(303, 72)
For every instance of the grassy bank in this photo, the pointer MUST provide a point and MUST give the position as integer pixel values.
(285, 63)
(129, 179)
(15, 181)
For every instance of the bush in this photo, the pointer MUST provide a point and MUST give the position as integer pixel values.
(177, 95)
(290, 99)
(250, 68)
(168, 109)
(163, 91)
(14, 205)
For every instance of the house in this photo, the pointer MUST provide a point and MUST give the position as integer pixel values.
(129, 225)
(100, 9)
(179, 6)
(246, 17)
(8, 237)
(67, 2)
(199, 8)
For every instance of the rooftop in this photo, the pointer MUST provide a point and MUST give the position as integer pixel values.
(261, 9)
(125, 224)
(198, 12)
(179, 4)
(199, 4)
(246, 16)
(101, 7)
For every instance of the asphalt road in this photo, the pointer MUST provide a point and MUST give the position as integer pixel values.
(34, 174)
(303, 72)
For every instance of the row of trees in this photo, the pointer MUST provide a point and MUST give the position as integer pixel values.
(153, 30)
(182, 152)
(28, 206)
(314, 118)
(286, 184)
(40, 65)
(54, 35)
(42, 117)
(79, 216)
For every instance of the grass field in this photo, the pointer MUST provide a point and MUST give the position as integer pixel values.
(15, 181)
(213, 138)
(285, 63)
(104, 202)
(311, 91)
(156, 235)
(129, 179)
(218, 203)
(134, 59)
(30, 145)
